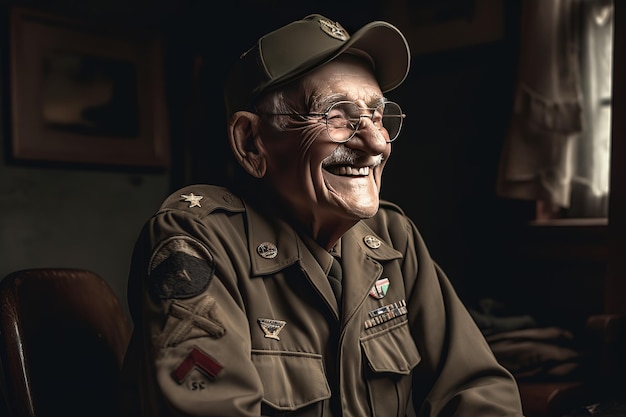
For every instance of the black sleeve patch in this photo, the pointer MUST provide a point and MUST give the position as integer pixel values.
(181, 267)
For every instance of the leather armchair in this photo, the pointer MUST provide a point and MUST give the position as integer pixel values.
(63, 336)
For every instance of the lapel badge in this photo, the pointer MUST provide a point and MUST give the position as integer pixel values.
(271, 327)
(267, 250)
(379, 289)
(372, 242)
(192, 199)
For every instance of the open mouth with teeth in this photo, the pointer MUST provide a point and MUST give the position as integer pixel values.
(348, 171)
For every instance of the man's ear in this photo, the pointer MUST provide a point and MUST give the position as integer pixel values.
(246, 144)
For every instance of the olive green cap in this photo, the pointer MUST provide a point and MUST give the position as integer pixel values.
(304, 45)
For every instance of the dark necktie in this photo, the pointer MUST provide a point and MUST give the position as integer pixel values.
(334, 276)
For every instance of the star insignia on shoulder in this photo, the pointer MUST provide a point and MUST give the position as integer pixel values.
(192, 199)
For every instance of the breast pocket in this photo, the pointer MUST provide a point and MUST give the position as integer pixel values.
(291, 380)
(391, 355)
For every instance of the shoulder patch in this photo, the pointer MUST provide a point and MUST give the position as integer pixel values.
(180, 267)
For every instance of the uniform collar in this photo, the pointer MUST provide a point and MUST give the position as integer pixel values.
(373, 245)
(274, 245)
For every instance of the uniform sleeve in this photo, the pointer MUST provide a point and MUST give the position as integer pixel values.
(458, 375)
(191, 343)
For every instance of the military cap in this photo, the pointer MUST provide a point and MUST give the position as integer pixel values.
(302, 46)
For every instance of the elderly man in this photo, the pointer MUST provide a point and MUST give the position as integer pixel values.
(299, 292)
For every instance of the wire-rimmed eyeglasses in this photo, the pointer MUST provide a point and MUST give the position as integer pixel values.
(343, 119)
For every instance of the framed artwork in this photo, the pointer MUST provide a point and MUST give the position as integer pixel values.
(85, 94)
(438, 25)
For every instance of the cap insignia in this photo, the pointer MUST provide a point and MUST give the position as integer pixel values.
(334, 29)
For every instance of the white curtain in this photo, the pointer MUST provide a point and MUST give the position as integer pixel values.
(551, 153)
(591, 178)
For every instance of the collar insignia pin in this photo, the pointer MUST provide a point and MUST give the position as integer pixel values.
(271, 327)
(372, 242)
(267, 250)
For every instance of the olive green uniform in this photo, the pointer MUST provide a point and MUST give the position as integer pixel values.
(234, 316)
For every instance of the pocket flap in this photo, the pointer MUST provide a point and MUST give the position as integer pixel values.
(391, 350)
(291, 380)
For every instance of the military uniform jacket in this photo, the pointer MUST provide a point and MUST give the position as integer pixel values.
(234, 316)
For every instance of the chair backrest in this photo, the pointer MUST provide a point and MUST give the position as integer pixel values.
(63, 336)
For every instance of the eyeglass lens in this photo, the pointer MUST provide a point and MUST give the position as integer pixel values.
(343, 119)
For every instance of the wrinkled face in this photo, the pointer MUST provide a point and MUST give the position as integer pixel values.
(321, 180)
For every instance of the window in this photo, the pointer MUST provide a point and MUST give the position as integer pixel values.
(558, 144)
(590, 184)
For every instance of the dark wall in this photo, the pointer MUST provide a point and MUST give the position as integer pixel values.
(61, 215)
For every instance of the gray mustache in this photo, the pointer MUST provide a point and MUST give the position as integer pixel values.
(343, 155)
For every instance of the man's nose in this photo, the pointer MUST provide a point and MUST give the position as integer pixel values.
(369, 134)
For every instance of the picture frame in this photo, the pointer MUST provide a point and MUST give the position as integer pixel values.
(432, 26)
(84, 94)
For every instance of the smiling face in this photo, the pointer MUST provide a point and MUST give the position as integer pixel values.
(327, 186)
